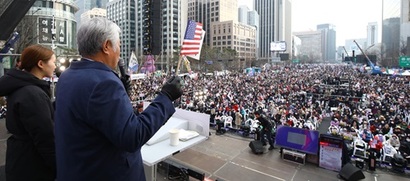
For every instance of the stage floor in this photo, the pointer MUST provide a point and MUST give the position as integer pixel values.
(228, 157)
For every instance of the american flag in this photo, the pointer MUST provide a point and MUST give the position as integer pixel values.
(193, 39)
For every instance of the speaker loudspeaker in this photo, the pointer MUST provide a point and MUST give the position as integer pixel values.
(351, 173)
(256, 147)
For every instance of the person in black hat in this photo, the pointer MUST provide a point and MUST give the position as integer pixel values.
(266, 129)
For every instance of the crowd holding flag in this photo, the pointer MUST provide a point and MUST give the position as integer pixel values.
(192, 43)
(133, 64)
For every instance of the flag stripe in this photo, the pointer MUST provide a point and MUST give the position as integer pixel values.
(193, 39)
(190, 47)
(188, 43)
(191, 52)
(197, 56)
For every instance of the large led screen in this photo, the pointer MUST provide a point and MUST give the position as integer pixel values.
(302, 140)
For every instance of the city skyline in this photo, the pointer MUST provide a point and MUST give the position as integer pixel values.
(350, 17)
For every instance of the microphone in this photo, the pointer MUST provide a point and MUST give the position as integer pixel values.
(121, 67)
(125, 78)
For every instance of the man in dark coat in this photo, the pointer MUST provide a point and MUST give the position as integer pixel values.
(266, 130)
(98, 135)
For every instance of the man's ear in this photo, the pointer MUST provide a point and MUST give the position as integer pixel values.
(107, 45)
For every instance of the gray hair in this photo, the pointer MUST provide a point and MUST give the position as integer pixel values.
(92, 34)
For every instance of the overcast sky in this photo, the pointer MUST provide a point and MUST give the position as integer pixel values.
(349, 16)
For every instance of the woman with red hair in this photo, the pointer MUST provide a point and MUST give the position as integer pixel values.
(30, 151)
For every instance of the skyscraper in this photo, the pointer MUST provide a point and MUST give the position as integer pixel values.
(243, 14)
(163, 29)
(250, 17)
(198, 11)
(122, 12)
(405, 25)
(391, 41)
(223, 31)
(310, 49)
(209, 11)
(95, 12)
(328, 41)
(253, 20)
(86, 5)
(372, 33)
(275, 25)
(234, 36)
(174, 23)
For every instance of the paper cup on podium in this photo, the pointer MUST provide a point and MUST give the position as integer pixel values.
(174, 137)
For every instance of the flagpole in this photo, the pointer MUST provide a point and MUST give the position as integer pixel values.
(187, 65)
(179, 63)
(193, 39)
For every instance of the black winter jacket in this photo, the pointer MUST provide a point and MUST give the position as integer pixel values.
(30, 151)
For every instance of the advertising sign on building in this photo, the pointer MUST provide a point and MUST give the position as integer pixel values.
(278, 46)
(46, 32)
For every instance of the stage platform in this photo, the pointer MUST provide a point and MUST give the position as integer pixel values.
(227, 157)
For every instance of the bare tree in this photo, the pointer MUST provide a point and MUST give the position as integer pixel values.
(27, 29)
(403, 47)
(375, 50)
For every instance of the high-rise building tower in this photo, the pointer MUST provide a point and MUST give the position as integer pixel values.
(391, 40)
(160, 30)
(234, 36)
(405, 26)
(329, 41)
(223, 31)
(208, 11)
(310, 48)
(86, 5)
(372, 33)
(151, 26)
(275, 25)
(95, 12)
(243, 14)
(253, 20)
(122, 12)
(250, 17)
(199, 11)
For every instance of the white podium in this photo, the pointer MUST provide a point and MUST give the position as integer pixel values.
(158, 148)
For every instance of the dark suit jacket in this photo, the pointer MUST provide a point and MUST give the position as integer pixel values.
(98, 136)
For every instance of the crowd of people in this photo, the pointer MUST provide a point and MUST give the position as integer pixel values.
(301, 96)
(91, 131)
(370, 108)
